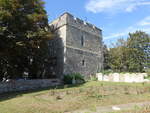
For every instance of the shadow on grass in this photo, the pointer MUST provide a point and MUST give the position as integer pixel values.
(10, 95)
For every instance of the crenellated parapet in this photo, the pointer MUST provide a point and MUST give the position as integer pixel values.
(68, 19)
(82, 25)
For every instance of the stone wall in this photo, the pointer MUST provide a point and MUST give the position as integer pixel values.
(91, 43)
(82, 45)
(74, 62)
(56, 51)
(22, 85)
(120, 77)
(83, 49)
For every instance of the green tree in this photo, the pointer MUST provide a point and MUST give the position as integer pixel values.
(139, 44)
(24, 32)
(131, 55)
(118, 56)
(106, 57)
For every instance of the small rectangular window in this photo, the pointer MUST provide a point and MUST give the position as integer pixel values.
(82, 40)
(83, 62)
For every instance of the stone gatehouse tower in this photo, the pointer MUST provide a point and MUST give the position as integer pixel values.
(77, 49)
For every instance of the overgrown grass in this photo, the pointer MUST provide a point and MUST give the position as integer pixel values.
(73, 97)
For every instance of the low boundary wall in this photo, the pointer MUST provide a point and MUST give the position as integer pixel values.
(23, 85)
(123, 77)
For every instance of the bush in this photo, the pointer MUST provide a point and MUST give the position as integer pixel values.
(106, 72)
(93, 78)
(148, 73)
(75, 77)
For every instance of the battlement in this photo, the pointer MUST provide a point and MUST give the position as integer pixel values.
(68, 19)
(83, 25)
(77, 20)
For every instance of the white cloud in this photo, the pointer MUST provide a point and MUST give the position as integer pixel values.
(112, 6)
(145, 22)
(114, 35)
(143, 25)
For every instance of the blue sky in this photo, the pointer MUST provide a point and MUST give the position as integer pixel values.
(115, 17)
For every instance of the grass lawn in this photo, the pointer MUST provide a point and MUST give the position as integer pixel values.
(70, 98)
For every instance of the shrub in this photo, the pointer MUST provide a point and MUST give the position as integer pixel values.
(93, 78)
(148, 73)
(106, 72)
(77, 77)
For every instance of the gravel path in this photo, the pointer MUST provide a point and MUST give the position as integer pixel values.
(112, 108)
